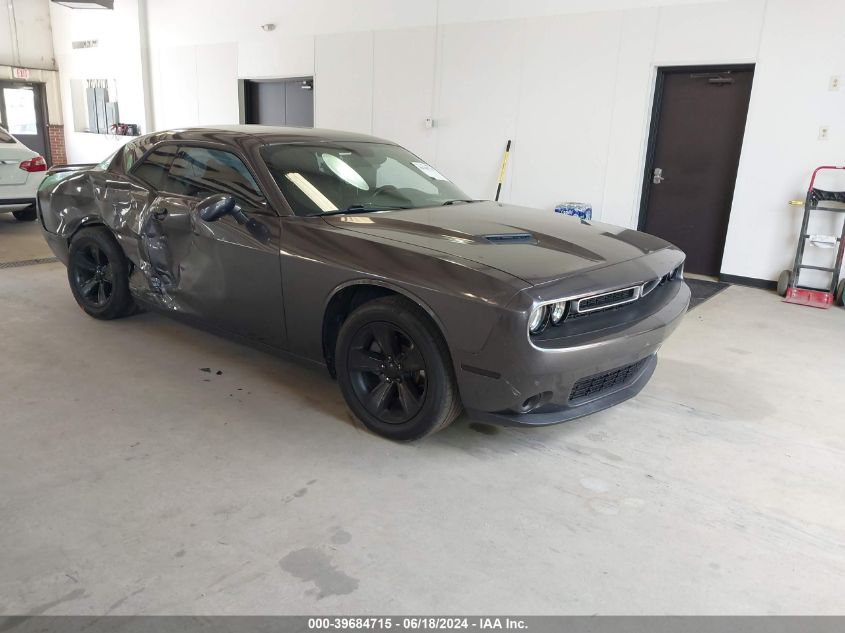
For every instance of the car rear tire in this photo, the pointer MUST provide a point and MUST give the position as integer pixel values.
(395, 371)
(25, 215)
(784, 281)
(98, 273)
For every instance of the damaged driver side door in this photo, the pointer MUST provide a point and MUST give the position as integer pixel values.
(226, 272)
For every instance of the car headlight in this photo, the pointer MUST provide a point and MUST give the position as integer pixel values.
(537, 320)
(558, 312)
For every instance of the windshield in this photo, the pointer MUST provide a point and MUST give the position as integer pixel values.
(337, 177)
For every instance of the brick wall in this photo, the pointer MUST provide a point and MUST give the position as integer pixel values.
(57, 144)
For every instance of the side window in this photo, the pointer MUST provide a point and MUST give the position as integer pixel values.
(153, 169)
(202, 172)
(132, 151)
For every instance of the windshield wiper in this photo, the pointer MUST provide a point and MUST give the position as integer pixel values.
(449, 202)
(360, 208)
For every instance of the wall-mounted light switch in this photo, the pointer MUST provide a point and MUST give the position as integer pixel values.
(824, 133)
(429, 123)
(835, 80)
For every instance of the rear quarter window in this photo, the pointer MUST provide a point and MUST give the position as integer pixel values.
(153, 170)
(132, 151)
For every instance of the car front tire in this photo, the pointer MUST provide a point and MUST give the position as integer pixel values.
(395, 371)
(98, 273)
(25, 215)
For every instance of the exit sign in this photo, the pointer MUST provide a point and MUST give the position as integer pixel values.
(20, 73)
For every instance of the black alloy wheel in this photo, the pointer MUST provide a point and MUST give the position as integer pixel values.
(93, 275)
(395, 370)
(387, 372)
(98, 273)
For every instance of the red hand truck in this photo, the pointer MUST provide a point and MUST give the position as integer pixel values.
(788, 281)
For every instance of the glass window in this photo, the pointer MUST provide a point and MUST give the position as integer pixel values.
(132, 151)
(395, 173)
(153, 169)
(20, 110)
(326, 177)
(203, 172)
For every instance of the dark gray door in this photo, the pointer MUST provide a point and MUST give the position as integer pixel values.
(22, 114)
(299, 103)
(699, 121)
(285, 102)
(225, 273)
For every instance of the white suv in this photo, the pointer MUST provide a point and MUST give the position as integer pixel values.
(21, 171)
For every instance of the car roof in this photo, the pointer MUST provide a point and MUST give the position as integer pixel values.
(271, 134)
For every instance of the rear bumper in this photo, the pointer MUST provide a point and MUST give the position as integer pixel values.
(15, 204)
(497, 386)
(59, 245)
(22, 194)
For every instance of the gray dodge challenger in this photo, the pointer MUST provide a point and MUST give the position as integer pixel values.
(351, 252)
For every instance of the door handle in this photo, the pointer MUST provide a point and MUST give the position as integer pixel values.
(657, 177)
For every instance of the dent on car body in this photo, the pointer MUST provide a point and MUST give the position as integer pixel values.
(168, 266)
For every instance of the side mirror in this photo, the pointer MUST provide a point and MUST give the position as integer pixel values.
(215, 207)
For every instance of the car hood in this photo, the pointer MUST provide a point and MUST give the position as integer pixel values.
(533, 245)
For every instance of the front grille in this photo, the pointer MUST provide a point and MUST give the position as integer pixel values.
(607, 300)
(598, 384)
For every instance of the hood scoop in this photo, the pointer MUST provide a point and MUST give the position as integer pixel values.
(510, 238)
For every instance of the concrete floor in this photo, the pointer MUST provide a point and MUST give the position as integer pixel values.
(133, 482)
(20, 240)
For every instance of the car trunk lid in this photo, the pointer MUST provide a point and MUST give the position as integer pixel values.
(10, 160)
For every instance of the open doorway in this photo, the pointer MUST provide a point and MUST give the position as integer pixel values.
(22, 114)
(279, 101)
(697, 125)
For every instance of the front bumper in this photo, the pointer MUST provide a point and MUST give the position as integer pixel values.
(498, 386)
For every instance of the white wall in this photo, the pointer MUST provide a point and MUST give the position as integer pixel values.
(25, 37)
(799, 52)
(570, 81)
(116, 57)
(573, 91)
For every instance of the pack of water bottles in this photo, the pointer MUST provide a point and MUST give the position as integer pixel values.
(583, 210)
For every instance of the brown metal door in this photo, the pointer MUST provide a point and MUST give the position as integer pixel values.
(696, 140)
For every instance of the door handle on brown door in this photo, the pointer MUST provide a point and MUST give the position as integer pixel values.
(657, 178)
